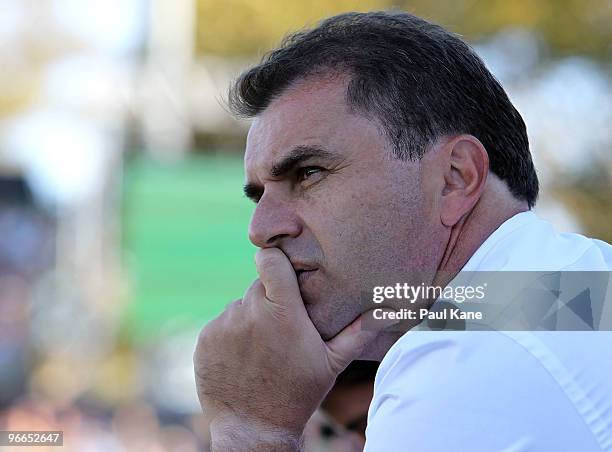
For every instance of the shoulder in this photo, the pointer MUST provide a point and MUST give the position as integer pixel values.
(476, 391)
(537, 246)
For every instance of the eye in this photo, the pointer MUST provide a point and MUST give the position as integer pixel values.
(308, 171)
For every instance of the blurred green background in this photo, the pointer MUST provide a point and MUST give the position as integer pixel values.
(185, 241)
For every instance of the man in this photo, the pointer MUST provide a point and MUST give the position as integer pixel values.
(382, 151)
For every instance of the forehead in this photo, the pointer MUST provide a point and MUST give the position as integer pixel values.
(314, 112)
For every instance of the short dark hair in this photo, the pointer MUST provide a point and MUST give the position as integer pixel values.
(417, 79)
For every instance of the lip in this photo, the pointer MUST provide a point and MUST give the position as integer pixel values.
(304, 270)
(304, 275)
(302, 266)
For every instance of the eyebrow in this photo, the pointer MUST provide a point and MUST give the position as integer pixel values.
(294, 157)
(298, 155)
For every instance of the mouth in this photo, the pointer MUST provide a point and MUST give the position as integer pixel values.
(304, 275)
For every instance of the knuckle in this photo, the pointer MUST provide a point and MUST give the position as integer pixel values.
(205, 335)
(233, 305)
(200, 352)
(280, 312)
(252, 291)
(213, 328)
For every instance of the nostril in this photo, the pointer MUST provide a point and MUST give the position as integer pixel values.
(273, 240)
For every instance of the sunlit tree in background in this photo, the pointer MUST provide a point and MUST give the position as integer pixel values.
(249, 28)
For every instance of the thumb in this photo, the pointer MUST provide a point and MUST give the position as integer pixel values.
(350, 343)
(277, 276)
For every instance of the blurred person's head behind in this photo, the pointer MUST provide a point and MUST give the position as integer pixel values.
(378, 140)
(340, 423)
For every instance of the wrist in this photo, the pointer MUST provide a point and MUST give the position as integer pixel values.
(239, 434)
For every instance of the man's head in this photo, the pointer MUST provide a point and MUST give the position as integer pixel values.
(372, 138)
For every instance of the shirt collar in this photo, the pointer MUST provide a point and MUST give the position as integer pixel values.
(480, 259)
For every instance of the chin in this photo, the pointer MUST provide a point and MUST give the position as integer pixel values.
(321, 323)
(329, 316)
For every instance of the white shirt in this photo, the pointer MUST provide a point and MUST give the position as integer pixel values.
(501, 391)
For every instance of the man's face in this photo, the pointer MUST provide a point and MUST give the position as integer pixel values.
(332, 197)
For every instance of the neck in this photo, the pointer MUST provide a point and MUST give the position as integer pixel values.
(495, 206)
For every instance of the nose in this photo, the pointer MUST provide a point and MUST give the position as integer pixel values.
(273, 221)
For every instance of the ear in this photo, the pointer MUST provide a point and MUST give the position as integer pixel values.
(465, 174)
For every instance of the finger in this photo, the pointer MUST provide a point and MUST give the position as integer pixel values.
(233, 312)
(350, 343)
(255, 291)
(255, 298)
(278, 277)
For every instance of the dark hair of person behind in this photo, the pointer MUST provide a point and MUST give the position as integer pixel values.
(357, 372)
(418, 80)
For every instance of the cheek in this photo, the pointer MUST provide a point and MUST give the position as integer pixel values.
(338, 221)
(360, 229)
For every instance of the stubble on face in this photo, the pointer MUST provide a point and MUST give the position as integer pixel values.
(362, 219)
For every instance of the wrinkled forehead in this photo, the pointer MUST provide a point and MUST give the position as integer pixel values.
(313, 112)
